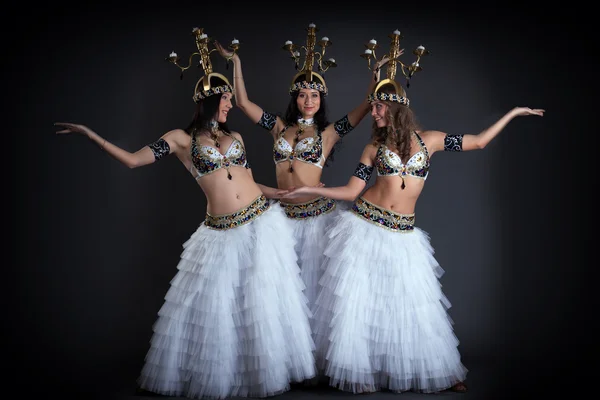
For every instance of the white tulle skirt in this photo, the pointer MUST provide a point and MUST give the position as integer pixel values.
(235, 321)
(310, 222)
(381, 318)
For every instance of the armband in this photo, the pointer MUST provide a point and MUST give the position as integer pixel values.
(363, 172)
(267, 121)
(453, 142)
(342, 126)
(160, 148)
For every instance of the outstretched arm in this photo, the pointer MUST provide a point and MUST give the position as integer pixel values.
(453, 142)
(144, 156)
(348, 192)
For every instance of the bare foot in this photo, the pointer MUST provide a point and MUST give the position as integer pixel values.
(459, 387)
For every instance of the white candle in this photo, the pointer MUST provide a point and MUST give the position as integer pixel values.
(421, 48)
(235, 41)
(203, 36)
(396, 32)
(325, 39)
(373, 41)
(332, 60)
(288, 42)
(368, 51)
(297, 53)
(311, 25)
(415, 64)
(173, 54)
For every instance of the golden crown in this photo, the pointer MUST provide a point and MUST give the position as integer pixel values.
(312, 80)
(203, 88)
(407, 70)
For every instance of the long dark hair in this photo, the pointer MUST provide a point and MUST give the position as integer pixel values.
(292, 113)
(206, 109)
(402, 122)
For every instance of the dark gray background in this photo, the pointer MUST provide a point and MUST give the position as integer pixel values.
(97, 243)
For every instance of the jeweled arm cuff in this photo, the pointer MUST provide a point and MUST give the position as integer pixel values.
(453, 142)
(267, 120)
(363, 172)
(342, 126)
(160, 148)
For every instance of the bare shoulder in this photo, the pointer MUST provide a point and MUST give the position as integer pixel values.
(237, 135)
(370, 149)
(177, 134)
(431, 134)
(434, 140)
(177, 139)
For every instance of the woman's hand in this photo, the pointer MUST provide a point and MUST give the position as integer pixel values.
(293, 192)
(69, 128)
(227, 54)
(520, 111)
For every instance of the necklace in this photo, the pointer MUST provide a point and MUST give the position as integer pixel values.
(214, 132)
(302, 125)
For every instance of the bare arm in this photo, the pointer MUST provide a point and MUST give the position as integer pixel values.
(356, 115)
(442, 141)
(252, 110)
(144, 156)
(347, 123)
(348, 192)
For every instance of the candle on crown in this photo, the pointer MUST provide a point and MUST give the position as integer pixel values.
(235, 41)
(325, 39)
(288, 42)
(421, 48)
(415, 64)
(311, 25)
(203, 36)
(173, 54)
(373, 41)
(368, 51)
(332, 60)
(396, 32)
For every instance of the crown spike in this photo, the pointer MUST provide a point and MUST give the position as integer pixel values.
(393, 64)
(203, 87)
(311, 57)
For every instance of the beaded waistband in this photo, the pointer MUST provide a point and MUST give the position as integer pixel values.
(238, 218)
(383, 217)
(315, 207)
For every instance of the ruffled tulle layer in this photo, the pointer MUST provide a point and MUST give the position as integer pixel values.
(235, 321)
(380, 320)
(310, 235)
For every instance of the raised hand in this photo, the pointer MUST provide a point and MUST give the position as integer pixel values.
(223, 51)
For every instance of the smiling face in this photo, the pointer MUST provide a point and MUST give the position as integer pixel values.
(224, 106)
(308, 102)
(379, 113)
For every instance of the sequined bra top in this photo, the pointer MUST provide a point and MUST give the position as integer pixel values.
(308, 150)
(389, 163)
(207, 159)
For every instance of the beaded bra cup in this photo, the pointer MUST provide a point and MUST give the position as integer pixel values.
(389, 163)
(207, 159)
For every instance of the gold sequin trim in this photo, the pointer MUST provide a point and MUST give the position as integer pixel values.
(238, 218)
(383, 217)
(313, 208)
